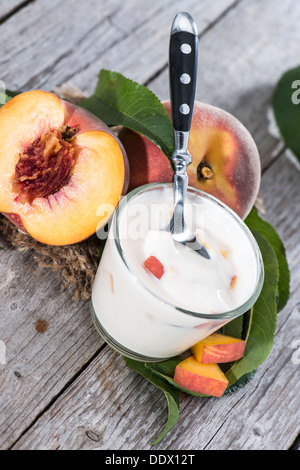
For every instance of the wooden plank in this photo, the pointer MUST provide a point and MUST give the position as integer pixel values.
(54, 42)
(144, 53)
(271, 419)
(49, 338)
(153, 413)
(237, 75)
(239, 65)
(110, 407)
(88, 36)
(234, 84)
(240, 61)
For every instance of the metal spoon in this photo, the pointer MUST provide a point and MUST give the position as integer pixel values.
(183, 57)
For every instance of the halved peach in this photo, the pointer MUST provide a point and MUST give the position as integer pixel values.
(59, 165)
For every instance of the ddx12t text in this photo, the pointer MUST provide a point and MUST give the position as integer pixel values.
(182, 459)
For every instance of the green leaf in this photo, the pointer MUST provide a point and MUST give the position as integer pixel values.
(119, 101)
(164, 367)
(263, 318)
(255, 222)
(235, 327)
(286, 107)
(240, 326)
(8, 95)
(240, 383)
(166, 371)
(171, 394)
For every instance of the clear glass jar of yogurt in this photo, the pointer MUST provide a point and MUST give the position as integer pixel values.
(151, 317)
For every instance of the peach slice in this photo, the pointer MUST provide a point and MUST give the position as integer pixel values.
(218, 348)
(62, 170)
(207, 379)
(225, 159)
(154, 266)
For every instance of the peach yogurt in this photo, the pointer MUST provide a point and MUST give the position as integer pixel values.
(152, 298)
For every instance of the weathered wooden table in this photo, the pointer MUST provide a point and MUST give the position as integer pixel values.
(63, 388)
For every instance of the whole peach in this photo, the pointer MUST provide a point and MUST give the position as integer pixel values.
(147, 162)
(225, 159)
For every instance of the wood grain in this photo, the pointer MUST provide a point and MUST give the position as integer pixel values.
(40, 364)
(84, 37)
(240, 61)
(121, 411)
(60, 389)
(40, 360)
(244, 61)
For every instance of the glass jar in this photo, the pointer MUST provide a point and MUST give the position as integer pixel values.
(136, 320)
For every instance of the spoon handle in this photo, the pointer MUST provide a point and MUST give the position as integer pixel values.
(183, 58)
(183, 55)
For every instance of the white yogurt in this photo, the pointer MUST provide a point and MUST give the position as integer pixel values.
(150, 318)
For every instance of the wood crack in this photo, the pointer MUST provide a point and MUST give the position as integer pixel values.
(58, 395)
(14, 10)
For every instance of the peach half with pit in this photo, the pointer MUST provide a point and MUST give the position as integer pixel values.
(58, 165)
(225, 159)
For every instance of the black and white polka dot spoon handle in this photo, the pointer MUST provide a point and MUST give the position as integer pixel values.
(183, 58)
(183, 70)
